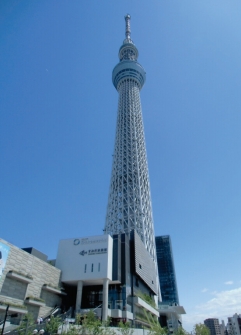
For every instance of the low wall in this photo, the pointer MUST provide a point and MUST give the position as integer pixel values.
(136, 331)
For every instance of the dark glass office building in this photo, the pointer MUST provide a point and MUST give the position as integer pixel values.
(166, 270)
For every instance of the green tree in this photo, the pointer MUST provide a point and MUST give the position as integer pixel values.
(125, 328)
(180, 331)
(76, 328)
(27, 325)
(73, 330)
(201, 329)
(53, 325)
(78, 319)
(155, 327)
(106, 329)
(90, 325)
(107, 322)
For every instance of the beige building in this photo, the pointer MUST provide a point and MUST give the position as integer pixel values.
(28, 283)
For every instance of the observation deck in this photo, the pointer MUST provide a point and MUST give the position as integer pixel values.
(128, 67)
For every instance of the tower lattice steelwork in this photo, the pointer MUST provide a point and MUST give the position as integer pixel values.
(129, 204)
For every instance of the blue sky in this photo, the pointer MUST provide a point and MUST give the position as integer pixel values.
(57, 124)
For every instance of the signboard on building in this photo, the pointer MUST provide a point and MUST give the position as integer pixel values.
(88, 258)
(4, 250)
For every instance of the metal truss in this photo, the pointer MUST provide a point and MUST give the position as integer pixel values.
(129, 204)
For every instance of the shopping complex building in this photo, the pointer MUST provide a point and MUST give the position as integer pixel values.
(114, 276)
(28, 283)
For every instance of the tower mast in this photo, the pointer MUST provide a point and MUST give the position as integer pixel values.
(129, 204)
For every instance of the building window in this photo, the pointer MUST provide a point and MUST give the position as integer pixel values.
(140, 266)
(99, 267)
(85, 268)
(92, 267)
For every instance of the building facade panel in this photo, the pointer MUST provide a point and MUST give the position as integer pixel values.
(23, 277)
(144, 264)
(166, 269)
(88, 258)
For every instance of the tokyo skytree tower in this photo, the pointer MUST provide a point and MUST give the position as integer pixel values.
(129, 204)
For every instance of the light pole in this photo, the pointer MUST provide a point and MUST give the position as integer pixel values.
(5, 318)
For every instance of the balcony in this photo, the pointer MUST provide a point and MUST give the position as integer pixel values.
(20, 276)
(117, 313)
(35, 301)
(114, 313)
(166, 309)
(141, 303)
(13, 308)
(52, 289)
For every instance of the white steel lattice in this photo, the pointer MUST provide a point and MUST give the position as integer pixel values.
(129, 204)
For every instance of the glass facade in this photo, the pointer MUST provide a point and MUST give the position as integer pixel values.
(93, 296)
(166, 270)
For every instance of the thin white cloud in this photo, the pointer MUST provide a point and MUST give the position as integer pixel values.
(230, 282)
(224, 304)
(214, 292)
(204, 290)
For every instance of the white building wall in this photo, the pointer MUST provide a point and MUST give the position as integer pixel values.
(222, 328)
(85, 259)
(233, 324)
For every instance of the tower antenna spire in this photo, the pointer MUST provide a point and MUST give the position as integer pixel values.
(128, 27)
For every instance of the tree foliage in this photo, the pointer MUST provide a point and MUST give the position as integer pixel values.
(74, 330)
(27, 325)
(180, 331)
(125, 328)
(78, 319)
(201, 329)
(155, 327)
(53, 325)
(147, 299)
(91, 324)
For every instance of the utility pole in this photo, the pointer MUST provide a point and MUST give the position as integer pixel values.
(5, 318)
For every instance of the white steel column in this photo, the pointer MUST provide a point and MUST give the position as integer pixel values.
(79, 296)
(105, 299)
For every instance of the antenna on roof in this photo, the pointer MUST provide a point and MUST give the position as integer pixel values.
(128, 27)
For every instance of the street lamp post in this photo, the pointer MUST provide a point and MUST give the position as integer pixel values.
(5, 318)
